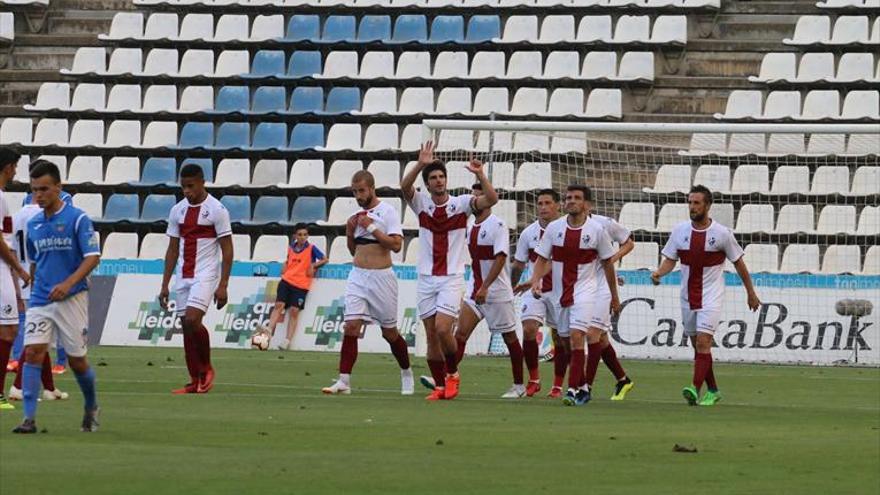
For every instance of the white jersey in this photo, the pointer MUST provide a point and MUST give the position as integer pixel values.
(441, 233)
(199, 227)
(5, 219)
(385, 217)
(576, 254)
(619, 234)
(19, 229)
(528, 242)
(702, 254)
(485, 241)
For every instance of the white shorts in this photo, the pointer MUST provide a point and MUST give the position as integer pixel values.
(440, 294)
(68, 319)
(582, 317)
(704, 320)
(194, 293)
(372, 295)
(500, 316)
(8, 297)
(540, 309)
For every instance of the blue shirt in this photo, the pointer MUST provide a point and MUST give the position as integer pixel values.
(65, 196)
(57, 246)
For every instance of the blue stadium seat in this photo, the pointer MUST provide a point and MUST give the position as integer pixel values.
(309, 209)
(306, 136)
(233, 135)
(271, 209)
(269, 99)
(159, 171)
(303, 28)
(270, 135)
(121, 207)
(207, 167)
(446, 28)
(267, 63)
(239, 207)
(157, 207)
(482, 28)
(197, 135)
(304, 64)
(375, 28)
(410, 27)
(306, 100)
(339, 28)
(232, 99)
(343, 100)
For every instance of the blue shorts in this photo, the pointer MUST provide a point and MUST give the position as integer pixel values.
(291, 296)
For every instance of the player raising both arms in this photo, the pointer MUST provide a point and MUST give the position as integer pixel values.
(371, 292)
(572, 248)
(539, 311)
(489, 294)
(200, 232)
(442, 223)
(702, 245)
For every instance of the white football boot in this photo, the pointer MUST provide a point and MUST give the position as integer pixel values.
(407, 382)
(517, 391)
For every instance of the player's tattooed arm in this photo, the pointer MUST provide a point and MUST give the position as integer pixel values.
(752, 297)
(171, 254)
(407, 183)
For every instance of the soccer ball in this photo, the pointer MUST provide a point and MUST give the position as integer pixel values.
(260, 341)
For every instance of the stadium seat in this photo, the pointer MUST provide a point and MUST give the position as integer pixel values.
(196, 27)
(268, 173)
(16, 130)
(119, 245)
(271, 248)
(849, 30)
(307, 64)
(520, 28)
(560, 65)
(123, 133)
(781, 105)
(746, 144)
(196, 135)
(86, 169)
(791, 180)
(595, 28)
(374, 28)
(232, 63)
(412, 253)
(157, 207)
(529, 101)
(339, 252)
(786, 144)
(232, 99)
(306, 100)
(507, 211)
(632, 28)
(842, 259)
(872, 261)
(267, 63)
(232, 172)
(303, 28)
(269, 135)
(447, 29)
(672, 178)
(91, 203)
(644, 256)
(795, 218)
(413, 65)
(122, 207)
(86, 133)
(343, 100)
(343, 137)
(527, 142)
(815, 67)
(376, 65)
(761, 257)
(449, 65)
(241, 247)
(487, 101)
(669, 29)
(196, 99)
(269, 99)
(670, 215)
(161, 26)
(239, 207)
(742, 104)
(159, 62)
(160, 135)
(638, 216)
(88, 60)
(861, 105)
(309, 209)
(411, 138)
(339, 28)
(306, 173)
(122, 170)
(153, 247)
(123, 98)
(861, 144)
(487, 65)
(636, 66)
(853, 67)
(341, 172)
(826, 144)
(340, 210)
(566, 101)
(820, 104)
(386, 173)
(830, 180)
(836, 219)
(557, 28)
(159, 171)
(7, 27)
(457, 175)
(416, 101)
(799, 258)
(502, 140)
(524, 65)
(319, 241)
(482, 28)
(232, 135)
(866, 181)
(777, 67)
(52, 96)
(159, 98)
(751, 178)
(810, 29)
(380, 137)
(231, 28)
(715, 177)
(723, 214)
(306, 136)
(604, 103)
(755, 218)
(206, 164)
(410, 28)
(51, 132)
(270, 209)
(533, 175)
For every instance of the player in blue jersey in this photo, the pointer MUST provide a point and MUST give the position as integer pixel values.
(64, 248)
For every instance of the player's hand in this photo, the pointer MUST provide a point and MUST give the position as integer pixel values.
(163, 298)
(521, 288)
(310, 272)
(536, 288)
(59, 292)
(655, 278)
(480, 296)
(364, 221)
(475, 166)
(754, 302)
(220, 296)
(426, 154)
(24, 276)
(615, 306)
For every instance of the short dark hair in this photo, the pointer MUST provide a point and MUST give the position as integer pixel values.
(365, 176)
(8, 156)
(586, 191)
(192, 170)
(40, 168)
(300, 226)
(435, 165)
(477, 186)
(707, 194)
(549, 192)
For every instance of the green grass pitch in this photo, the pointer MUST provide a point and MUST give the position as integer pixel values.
(267, 429)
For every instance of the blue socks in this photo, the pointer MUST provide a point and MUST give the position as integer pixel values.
(18, 343)
(30, 383)
(86, 383)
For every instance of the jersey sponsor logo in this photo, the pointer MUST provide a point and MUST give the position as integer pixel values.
(54, 244)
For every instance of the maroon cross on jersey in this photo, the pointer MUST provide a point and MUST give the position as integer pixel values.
(572, 256)
(190, 233)
(696, 258)
(478, 253)
(440, 224)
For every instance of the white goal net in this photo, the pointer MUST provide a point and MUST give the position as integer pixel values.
(802, 200)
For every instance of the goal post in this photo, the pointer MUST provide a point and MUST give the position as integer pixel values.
(802, 200)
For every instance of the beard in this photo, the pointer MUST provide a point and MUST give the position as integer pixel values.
(363, 203)
(698, 217)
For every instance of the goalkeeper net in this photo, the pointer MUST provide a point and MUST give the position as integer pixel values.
(802, 201)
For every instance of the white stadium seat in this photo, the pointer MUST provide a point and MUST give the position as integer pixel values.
(153, 246)
(751, 178)
(123, 98)
(241, 247)
(810, 29)
(561, 65)
(638, 216)
(604, 103)
(670, 215)
(270, 248)
(632, 28)
(86, 169)
(269, 173)
(795, 218)
(861, 105)
(533, 175)
(52, 96)
(776, 67)
(755, 218)
(853, 67)
(866, 181)
(339, 252)
(232, 172)
(761, 257)
(196, 27)
(842, 259)
(122, 169)
(91, 203)
(524, 65)
(781, 105)
(742, 104)
(836, 219)
(306, 173)
(872, 261)
(594, 28)
(643, 256)
(799, 258)
(815, 67)
(831, 180)
(715, 177)
(520, 28)
(672, 178)
(341, 172)
(119, 245)
(449, 65)
(849, 30)
(340, 210)
(458, 100)
(791, 180)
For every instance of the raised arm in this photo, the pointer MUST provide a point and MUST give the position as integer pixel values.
(407, 183)
(743, 272)
(489, 197)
